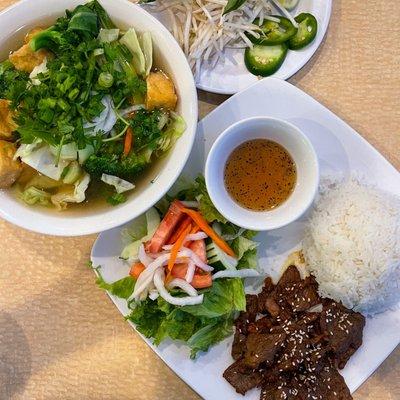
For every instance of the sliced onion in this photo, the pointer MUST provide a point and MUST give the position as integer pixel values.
(182, 284)
(190, 271)
(176, 301)
(153, 294)
(128, 110)
(239, 273)
(143, 257)
(196, 236)
(167, 247)
(146, 277)
(185, 252)
(143, 295)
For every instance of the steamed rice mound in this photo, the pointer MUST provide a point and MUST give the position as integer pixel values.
(352, 246)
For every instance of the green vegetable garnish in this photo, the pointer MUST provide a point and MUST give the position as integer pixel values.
(117, 198)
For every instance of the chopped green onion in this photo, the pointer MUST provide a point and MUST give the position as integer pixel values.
(63, 104)
(105, 80)
(73, 94)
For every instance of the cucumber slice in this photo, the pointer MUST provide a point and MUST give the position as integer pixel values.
(265, 60)
(289, 4)
(215, 255)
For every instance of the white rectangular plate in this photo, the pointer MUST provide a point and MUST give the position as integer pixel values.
(340, 150)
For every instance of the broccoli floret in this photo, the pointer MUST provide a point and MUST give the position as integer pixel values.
(125, 168)
(48, 39)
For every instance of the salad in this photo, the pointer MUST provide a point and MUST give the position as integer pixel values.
(187, 264)
(83, 111)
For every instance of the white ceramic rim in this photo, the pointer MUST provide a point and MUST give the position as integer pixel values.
(241, 216)
(50, 223)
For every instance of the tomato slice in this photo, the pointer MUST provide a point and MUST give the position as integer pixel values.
(199, 247)
(200, 280)
(181, 228)
(166, 228)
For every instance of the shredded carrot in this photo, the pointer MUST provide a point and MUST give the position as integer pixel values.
(203, 225)
(177, 246)
(128, 141)
(195, 229)
(136, 270)
(184, 224)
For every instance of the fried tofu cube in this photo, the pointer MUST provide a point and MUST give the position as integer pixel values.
(160, 91)
(25, 59)
(10, 169)
(7, 124)
(32, 33)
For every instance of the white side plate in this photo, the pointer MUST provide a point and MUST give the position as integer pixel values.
(340, 150)
(231, 76)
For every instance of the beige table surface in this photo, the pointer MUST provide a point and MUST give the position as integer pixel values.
(62, 338)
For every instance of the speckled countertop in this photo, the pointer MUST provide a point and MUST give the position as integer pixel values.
(62, 338)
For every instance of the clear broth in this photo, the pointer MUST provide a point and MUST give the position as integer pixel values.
(96, 201)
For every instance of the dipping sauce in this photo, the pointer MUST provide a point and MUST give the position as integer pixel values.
(260, 175)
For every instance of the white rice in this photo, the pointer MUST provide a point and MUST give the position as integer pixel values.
(352, 246)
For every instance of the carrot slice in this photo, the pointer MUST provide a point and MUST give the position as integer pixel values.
(199, 281)
(202, 223)
(166, 228)
(176, 247)
(128, 141)
(136, 270)
(186, 221)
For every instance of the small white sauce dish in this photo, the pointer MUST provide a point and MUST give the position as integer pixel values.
(298, 146)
